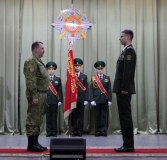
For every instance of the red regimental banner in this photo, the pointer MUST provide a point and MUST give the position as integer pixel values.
(101, 86)
(70, 89)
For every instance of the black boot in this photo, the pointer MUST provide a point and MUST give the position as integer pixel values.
(32, 146)
(39, 145)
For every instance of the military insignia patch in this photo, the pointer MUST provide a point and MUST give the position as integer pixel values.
(56, 82)
(106, 80)
(31, 69)
(128, 57)
(121, 57)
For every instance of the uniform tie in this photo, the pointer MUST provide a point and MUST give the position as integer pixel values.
(51, 78)
(77, 74)
(100, 77)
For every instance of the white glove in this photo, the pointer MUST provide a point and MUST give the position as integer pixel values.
(59, 103)
(85, 103)
(93, 103)
(109, 103)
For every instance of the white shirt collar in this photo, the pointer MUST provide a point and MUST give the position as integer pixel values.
(77, 73)
(100, 75)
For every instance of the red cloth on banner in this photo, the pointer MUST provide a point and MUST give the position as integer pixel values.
(70, 89)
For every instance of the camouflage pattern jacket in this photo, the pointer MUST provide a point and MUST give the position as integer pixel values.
(37, 77)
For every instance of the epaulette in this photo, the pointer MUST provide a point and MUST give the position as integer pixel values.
(129, 47)
(57, 76)
(106, 75)
(31, 58)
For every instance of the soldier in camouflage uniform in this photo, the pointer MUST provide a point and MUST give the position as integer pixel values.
(37, 83)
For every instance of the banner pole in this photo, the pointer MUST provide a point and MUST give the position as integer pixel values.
(69, 123)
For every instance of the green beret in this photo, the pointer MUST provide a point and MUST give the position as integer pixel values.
(51, 65)
(78, 62)
(99, 64)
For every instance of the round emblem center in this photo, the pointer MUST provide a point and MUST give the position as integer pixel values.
(72, 24)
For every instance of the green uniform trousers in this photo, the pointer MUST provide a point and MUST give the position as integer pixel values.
(35, 114)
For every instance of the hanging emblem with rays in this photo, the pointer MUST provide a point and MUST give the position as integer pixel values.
(69, 26)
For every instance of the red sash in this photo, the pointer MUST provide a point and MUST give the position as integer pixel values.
(80, 84)
(53, 89)
(101, 86)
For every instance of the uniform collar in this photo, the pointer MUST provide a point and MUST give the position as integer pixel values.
(77, 73)
(126, 47)
(51, 76)
(35, 56)
(101, 76)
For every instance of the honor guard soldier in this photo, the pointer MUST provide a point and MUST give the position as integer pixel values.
(124, 87)
(82, 99)
(100, 97)
(54, 99)
(37, 84)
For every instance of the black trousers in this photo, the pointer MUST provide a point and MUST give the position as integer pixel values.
(77, 118)
(100, 111)
(51, 119)
(125, 116)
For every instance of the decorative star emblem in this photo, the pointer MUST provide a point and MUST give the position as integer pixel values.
(71, 27)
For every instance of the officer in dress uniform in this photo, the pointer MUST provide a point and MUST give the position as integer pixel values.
(100, 97)
(82, 99)
(54, 99)
(37, 84)
(124, 87)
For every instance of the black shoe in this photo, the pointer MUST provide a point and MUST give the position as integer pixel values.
(44, 148)
(48, 135)
(32, 146)
(79, 134)
(97, 134)
(124, 149)
(74, 134)
(54, 135)
(39, 145)
(104, 134)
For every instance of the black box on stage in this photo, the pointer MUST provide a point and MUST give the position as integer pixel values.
(60, 148)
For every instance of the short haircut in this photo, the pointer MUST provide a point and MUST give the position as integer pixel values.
(129, 32)
(35, 44)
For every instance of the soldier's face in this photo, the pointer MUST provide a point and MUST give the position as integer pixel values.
(40, 50)
(77, 68)
(100, 70)
(51, 71)
(124, 39)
